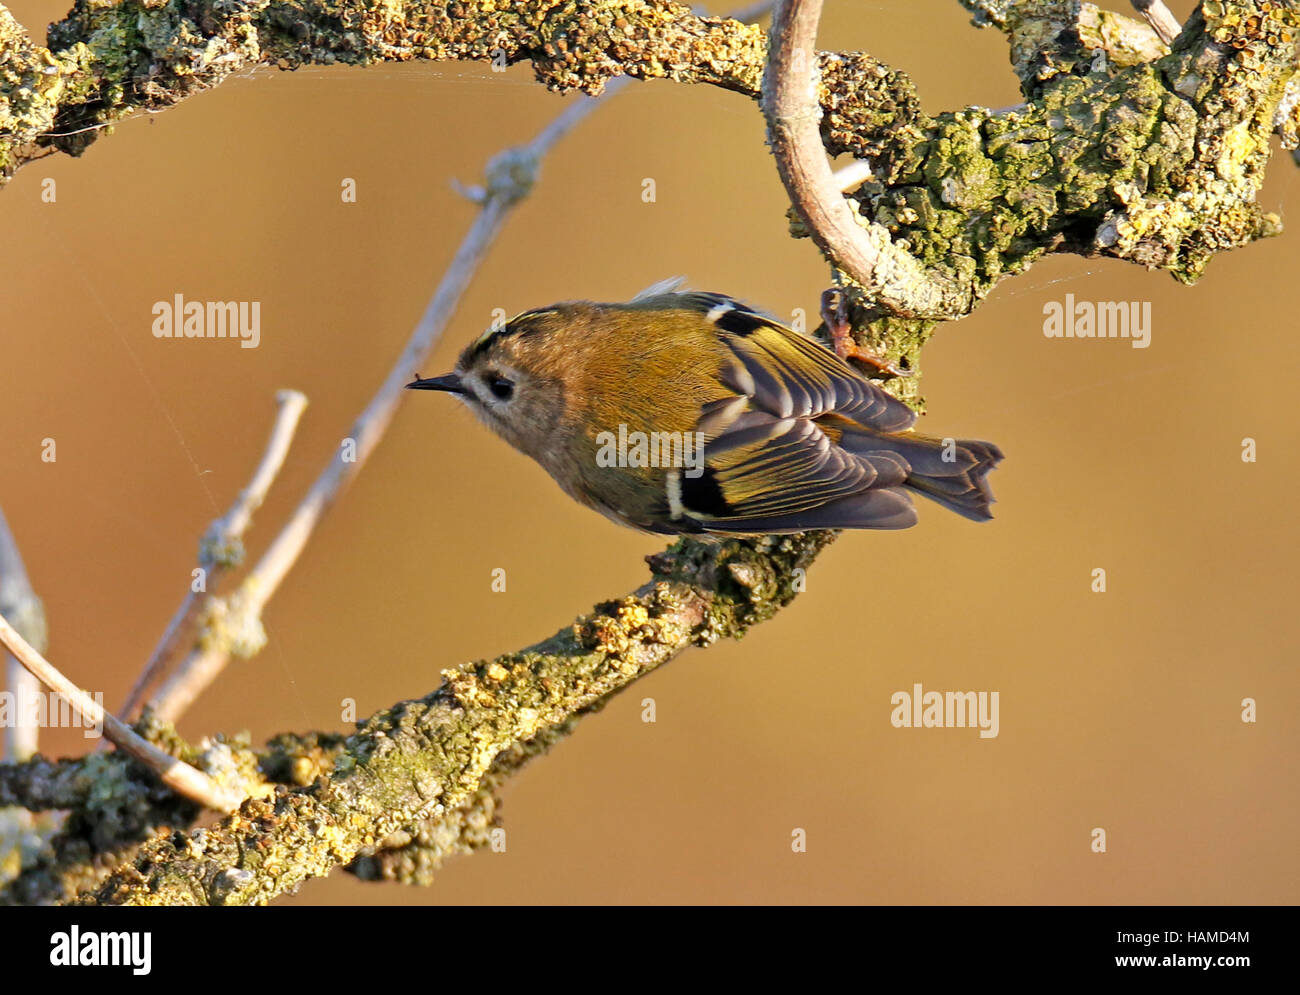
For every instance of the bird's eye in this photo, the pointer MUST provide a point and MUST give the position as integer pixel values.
(501, 388)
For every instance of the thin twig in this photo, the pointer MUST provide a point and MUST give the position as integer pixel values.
(510, 176)
(19, 602)
(222, 546)
(176, 774)
(1161, 18)
(865, 252)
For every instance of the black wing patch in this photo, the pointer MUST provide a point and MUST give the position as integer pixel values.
(703, 495)
(740, 322)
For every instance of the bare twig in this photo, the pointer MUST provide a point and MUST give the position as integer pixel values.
(176, 774)
(236, 622)
(222, 545)
(896, 281)
(1161, 19)
(19, 602)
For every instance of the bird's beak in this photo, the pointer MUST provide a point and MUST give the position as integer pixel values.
(449, 382)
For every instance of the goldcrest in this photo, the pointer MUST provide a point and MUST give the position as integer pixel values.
(683, 412)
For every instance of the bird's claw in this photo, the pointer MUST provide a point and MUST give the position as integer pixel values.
(835, 313)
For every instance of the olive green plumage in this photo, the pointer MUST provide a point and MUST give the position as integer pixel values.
(690, 412)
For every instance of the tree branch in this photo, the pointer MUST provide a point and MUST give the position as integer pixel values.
(19, 602)
(426, 758)
(890, 277)
(108, 61)
(20, 833)
(222, 545)
(176, 774)
(1160, 18)
(988, 212)
(1060, 36)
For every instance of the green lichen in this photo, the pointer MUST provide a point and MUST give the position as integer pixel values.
(415, 782)
(1159, 163)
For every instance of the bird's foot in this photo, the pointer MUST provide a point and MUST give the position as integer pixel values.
(835, 312)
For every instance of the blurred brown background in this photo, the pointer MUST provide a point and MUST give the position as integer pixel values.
(1118, 710)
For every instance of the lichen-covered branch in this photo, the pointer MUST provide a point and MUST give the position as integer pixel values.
(415, 784)
(114, 803)
(1123, 149)
(109, 59)
(1158, 163)
(422, 760)
(1065, 36)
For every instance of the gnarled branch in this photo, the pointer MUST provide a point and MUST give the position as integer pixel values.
(426, 759)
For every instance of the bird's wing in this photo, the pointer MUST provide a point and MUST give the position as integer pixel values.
(788, 374)
(767, 465)
(768, 474)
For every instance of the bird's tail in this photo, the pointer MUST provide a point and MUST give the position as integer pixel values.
(949, 471)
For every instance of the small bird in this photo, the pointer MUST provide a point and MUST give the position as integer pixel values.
(687, 412)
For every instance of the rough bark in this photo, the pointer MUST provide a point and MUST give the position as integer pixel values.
(415, 782)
